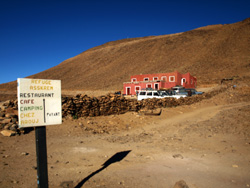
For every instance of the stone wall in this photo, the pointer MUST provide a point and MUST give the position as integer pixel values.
(85, 106)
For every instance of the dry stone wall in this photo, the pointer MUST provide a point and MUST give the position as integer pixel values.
(85, 106)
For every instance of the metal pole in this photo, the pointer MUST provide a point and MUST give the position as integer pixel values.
(41, 155)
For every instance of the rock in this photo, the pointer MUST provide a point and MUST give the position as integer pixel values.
(8, 133)
(9, 115)
(6, 121)
(14, 120)
(13, 127)
(2, 125)
(178, 156)
(24, 153)
(66, 184)
(235, 166)
(6, 127)
(181, 184)
(15, 182)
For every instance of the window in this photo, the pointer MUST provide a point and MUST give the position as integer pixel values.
(183, 80)
(133, 80)
(143, 93)
(155, 78)
(171, 78)
(164, 78)
(137, 88)
(146, 79)
(156, 94)
(149, 86)
(149, 94)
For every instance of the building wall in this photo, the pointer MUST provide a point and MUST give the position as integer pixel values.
(163, 80)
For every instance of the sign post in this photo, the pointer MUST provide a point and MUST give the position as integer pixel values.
(41, 157)
(39, 105)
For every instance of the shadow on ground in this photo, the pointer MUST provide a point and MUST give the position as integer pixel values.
(115, 158)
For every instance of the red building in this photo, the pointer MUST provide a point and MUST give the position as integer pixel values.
(158, 81)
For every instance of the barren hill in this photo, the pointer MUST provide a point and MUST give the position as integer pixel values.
(210, 53)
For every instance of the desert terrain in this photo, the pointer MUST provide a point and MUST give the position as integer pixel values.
(206, 144)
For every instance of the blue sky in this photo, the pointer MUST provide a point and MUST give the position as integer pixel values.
(36, 35)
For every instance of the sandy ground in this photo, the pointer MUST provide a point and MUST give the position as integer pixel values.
(206, 144)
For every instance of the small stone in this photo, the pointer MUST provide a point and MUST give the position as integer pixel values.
(121, 183)
(8, 133)
(14, 181)
(6, 127)
(34, 167)
(203, 155)
(181, 184)
(13, 127)
(178, 156)
(24, 153)
(9, 115)
(235, 166)
(6, 121)
(14, 120)
(149, 157)
(66, 184)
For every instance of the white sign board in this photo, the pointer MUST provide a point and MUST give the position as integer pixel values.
(39, 102)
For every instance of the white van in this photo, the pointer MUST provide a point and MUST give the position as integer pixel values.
(148, 94)
(145, 94)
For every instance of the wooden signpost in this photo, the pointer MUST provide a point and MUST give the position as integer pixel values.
(39, 105)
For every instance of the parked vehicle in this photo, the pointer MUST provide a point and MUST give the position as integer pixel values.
(183, 91)
(172, 93)
(147, 94)
(176, 88)
(179, 90)
(194, 92)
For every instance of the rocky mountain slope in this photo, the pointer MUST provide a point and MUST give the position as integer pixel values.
(210, 53)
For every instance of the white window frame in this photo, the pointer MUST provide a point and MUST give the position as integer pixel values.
(183, 80)
(171, 77)
(146, 78)
(156, 84)
(148, 85)
(154, 78)
(132, 80)
(164, 77)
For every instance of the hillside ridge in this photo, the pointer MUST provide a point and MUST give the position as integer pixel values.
(210, 53)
